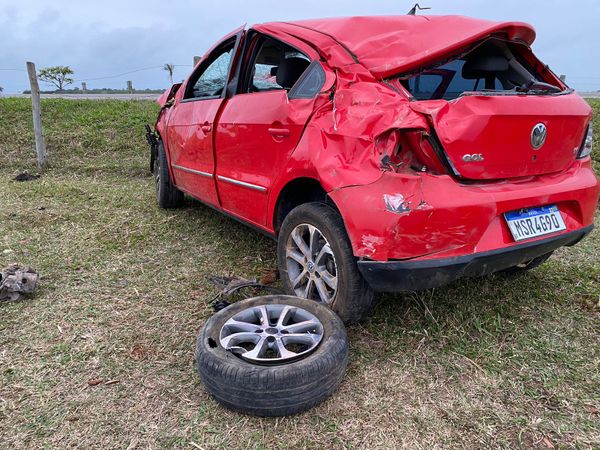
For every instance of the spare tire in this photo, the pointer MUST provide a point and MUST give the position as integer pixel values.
(272, 356)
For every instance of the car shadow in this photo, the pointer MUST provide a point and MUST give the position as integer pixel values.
(227, 230)
(472, 306)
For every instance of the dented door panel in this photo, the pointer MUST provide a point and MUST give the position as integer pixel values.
(191, 151)
(256, 135)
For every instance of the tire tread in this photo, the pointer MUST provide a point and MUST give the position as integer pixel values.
(274, 390)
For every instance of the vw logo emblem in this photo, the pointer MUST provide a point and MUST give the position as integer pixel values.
(538, 135)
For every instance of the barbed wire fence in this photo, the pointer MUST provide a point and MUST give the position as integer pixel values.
(80, 85)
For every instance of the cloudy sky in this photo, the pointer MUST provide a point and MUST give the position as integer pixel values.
(107, 38)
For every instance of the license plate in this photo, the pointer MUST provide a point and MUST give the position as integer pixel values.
(533, 222)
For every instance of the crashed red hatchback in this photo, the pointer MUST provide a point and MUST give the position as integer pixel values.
(383, 153)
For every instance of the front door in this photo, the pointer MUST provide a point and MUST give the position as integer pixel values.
(191, 124)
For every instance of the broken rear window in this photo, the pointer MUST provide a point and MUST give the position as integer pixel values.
(493, 67)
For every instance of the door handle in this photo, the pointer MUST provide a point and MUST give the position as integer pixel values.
(279, 132)
(206, 128)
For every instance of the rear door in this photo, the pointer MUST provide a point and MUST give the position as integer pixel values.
(191, 123)
(261, 125)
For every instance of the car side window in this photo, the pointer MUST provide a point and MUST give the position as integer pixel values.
(276, 66)
(210, 82)
(424, 86)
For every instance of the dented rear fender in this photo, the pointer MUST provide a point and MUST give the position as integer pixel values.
(348, 135)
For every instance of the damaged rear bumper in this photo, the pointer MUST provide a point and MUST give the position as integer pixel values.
(408, 276)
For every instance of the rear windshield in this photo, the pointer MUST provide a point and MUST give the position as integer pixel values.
(491, 67)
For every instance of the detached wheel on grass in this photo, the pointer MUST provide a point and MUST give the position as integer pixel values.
(167, 194)
(272, 356)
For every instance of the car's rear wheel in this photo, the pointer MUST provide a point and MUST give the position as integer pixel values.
(316, 261)
(167, 194)
(528, 265)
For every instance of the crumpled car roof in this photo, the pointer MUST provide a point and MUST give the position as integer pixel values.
(388, 45)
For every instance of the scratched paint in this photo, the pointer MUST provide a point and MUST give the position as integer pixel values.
(396, 203)
(367, 143)
(371, 244)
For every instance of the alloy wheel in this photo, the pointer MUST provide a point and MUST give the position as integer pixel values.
(272, 334)
(311, 265)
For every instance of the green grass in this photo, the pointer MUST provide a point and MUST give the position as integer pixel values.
(496, 362)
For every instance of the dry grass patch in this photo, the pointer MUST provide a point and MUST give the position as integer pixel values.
(497, 362)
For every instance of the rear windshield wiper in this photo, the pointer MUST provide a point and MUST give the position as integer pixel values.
(535, 85)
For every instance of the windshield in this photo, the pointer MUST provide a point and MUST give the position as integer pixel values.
(494, 66)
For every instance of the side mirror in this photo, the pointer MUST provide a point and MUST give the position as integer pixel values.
(173, 91)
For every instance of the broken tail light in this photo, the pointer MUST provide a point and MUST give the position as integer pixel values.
(418, 144)
(408, 150)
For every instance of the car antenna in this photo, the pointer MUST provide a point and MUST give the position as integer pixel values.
(417, 7)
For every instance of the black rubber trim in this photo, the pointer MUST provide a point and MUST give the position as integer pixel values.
(439, 150)
(416, 275)
(298, 90)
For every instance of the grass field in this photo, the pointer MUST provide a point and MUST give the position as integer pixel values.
(496, 362)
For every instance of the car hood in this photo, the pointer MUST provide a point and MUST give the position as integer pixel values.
(389, 45)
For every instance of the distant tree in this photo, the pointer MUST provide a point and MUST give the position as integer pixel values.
(1, 89)
(57, 76)
(169, 68)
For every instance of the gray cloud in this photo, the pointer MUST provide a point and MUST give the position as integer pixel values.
(111, 37)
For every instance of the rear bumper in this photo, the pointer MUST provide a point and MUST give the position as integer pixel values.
(406, 216)
(407, 276)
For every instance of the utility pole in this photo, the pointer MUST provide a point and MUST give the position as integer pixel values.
(36, 108)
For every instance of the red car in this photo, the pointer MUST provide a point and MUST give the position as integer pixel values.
(382, 153)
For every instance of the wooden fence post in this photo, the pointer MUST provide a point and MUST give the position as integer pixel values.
(130, 87)
(84, 87)
(36, 108)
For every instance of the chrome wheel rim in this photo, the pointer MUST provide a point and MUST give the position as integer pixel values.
(272, 334)
(311, 265)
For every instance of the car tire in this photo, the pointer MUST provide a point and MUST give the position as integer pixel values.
(167, 194)
(527, 265)
(280, 388)
(353, 297)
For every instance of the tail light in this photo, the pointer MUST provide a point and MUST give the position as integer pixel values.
(586, 147)
(408, 150)
(424, 156)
